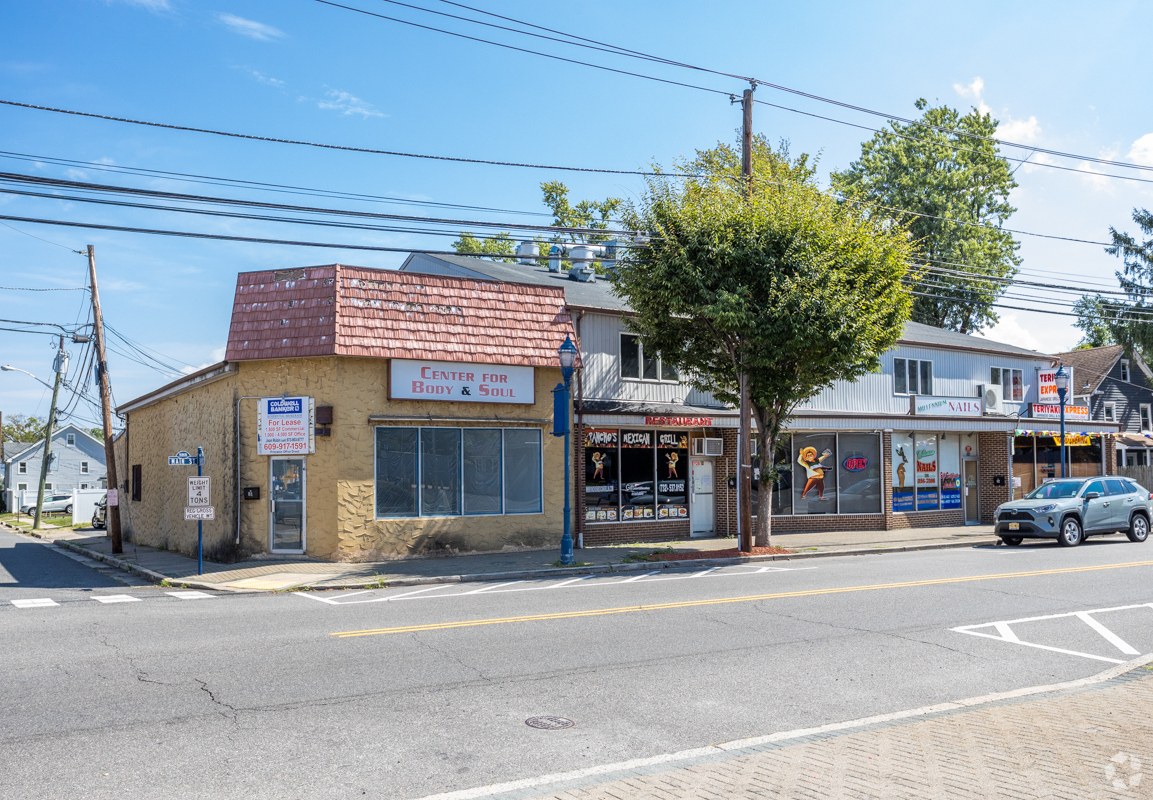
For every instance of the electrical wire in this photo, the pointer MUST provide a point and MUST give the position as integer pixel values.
(54, 289)
(37, 238)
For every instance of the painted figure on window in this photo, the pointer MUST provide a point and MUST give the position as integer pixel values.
(814, 469)
(599, 460)
(673, 459)
(901, 467)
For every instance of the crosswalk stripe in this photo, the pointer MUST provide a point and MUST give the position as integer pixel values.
(190, 595)
(38, 602)
(117, 598)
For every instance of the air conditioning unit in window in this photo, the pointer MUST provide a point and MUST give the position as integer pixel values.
(991, 399)
(708, 447)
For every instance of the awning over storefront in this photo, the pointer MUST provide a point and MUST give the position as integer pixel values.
(1134, 440)
(919, 422)
(656, 415)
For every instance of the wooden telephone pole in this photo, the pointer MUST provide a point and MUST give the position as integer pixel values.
(745, 433)
(113, 511)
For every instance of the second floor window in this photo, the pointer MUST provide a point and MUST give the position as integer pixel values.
(71, 439)
(1110, 412)
(23, 468)
(1125, 370)
(912, 376)
(635, 363)
(1146, 422)
(83, 467)
(1011, 381)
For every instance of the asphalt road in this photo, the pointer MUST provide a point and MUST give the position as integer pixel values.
(406, 692)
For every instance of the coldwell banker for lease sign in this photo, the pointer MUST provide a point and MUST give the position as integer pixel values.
(284, 426)
(460, 383)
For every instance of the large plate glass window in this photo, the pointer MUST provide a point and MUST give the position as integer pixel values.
(912, 376)
(396, 472)
(928, 496)
(522, 471)
(814, 473)
(672, 475)
(440, 471)
(482, 473)
(602, 487)
(638, 468)
(904, 472)
(1084, 455)
(859, 473)
(783, 487)
(949, 470)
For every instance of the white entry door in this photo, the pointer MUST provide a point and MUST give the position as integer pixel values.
(286, 512)
(701, 502)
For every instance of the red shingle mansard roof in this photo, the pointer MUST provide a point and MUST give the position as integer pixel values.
(355, 311)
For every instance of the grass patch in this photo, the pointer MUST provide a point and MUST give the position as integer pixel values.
(653, 555)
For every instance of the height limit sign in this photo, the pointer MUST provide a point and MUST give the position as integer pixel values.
(198, 490)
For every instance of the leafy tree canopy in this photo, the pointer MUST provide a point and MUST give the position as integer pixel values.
(19, 428)
(945, 176)
(781, 283)
(1112, 320)
(497, 247)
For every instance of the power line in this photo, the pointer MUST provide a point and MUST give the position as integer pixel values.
(54, 289)
(37, 238)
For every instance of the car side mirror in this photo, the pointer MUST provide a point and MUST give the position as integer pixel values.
(1092, 495)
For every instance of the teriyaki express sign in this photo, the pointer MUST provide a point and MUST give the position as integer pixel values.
(460, 382)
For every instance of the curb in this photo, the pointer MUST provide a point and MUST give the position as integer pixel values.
(595, 569)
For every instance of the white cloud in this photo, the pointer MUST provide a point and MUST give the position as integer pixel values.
(151, 5)
(974, 91)
(1018, 130)
(348, 104)
(249, 28)
(1010, 330)
(266, 80)
(215, 357)
(1142, 150)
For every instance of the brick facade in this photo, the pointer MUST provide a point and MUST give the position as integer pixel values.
(994, 462)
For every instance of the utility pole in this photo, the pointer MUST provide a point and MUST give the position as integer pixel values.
(60, 365)
(745, 433)
(105, 404)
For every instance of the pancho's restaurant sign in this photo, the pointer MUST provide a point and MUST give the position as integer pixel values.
(458, 382)
(1046, 411)
(948, 406)
(285, 426)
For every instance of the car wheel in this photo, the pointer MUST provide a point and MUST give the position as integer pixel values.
(1071, 534)
(68, 510)
(1138, 528)
(1012, 541)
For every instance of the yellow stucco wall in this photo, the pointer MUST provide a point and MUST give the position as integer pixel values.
(341, 523)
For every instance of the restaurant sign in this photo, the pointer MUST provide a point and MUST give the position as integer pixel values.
(947, 406)
(458, 382)
(679, 422)
(1047, 386)
(1053, 411)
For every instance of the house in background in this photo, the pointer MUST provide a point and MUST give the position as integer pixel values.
(1117, 388)
(77, 463)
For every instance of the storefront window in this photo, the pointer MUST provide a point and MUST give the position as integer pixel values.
(815, 473)
(783, 488)
(470, 471)
(904, 472)
(1023, 472)
(949, 466)
(482, 479)
(638, 468)
(672, 475)
(440, 471)
(1048, 459)
(522, 471)
(602, 489)
(859, 473)
(928, 498)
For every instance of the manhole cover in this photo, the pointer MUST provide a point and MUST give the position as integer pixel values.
(549, 723)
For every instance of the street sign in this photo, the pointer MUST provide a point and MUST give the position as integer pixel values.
(198, 490)
(113, 497)
(182, 459)
(200, 512)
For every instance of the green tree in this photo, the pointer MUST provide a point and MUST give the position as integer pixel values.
(782, 284)
(19, 428)
(1126, 321)
(944, 176)
(497, 247)
(97, 433)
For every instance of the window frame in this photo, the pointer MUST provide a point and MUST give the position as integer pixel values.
(1009, 373)
(462, 515)
(48, 487)
(1126, 373)
(1146, 412)
(21, 487)
(137, 479)
(22, 468)
(918, 373)
(83, 467)
(1109, 411)
(70, 439)
(641, 363)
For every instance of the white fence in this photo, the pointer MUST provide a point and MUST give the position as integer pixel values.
(83, 502)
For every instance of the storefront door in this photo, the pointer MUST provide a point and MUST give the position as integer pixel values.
(969, 493)
(286, 513)
(701, 502)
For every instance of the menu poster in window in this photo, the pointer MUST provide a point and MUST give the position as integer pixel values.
(950, 474)
(602, 491)
(904, 472)
(672, 469)
(638, 500)
(927, 499)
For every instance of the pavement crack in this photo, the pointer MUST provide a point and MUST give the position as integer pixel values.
(446, 654)
(230, 712)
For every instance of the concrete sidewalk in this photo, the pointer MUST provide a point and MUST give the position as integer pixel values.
(271, 573)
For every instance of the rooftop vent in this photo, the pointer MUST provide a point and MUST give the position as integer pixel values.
(528, 252)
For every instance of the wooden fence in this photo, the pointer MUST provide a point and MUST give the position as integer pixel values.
(1143, 475)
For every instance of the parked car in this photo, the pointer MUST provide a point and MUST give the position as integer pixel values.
(1071, 509)
(52, 504)
(100, 515)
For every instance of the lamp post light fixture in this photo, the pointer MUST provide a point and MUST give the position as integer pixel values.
(567, 356)
(1062, 381)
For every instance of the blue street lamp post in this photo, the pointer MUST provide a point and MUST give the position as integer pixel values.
(567, 354)
(1062, 381)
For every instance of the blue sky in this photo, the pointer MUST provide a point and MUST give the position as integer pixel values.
(1065, 76)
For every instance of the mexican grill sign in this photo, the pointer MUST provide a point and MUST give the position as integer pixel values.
(285, 426)
(459, 382)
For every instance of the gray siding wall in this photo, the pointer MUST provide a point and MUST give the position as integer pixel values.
(1129, 396)
(600, 352)
(67, 475)
(956, 373)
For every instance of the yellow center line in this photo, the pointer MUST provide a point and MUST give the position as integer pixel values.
(597, 612)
